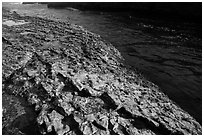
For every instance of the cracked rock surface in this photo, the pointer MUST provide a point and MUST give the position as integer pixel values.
(59, 78)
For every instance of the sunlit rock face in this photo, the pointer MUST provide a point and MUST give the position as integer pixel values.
(59, 78)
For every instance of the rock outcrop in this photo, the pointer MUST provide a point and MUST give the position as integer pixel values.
(59, 78)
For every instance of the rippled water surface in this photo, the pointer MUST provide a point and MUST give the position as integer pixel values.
(167, 53)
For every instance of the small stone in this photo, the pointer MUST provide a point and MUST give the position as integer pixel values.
(86, 129)
(90, 117)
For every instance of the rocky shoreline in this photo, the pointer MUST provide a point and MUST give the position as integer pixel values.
(59, 78)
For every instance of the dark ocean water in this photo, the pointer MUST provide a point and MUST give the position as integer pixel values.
(167, 53)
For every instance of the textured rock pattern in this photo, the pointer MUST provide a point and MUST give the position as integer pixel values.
(72, 82)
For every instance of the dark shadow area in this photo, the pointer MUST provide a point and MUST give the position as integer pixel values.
(84, 93)
(110, 127)
(25, 126)
(123, 129)
(109, 102)
(124, 113)
(98, 125)
(71, 122)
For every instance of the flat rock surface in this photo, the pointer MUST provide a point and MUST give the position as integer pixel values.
(59, 78)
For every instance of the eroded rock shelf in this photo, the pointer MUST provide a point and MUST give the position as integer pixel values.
(59, 78)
